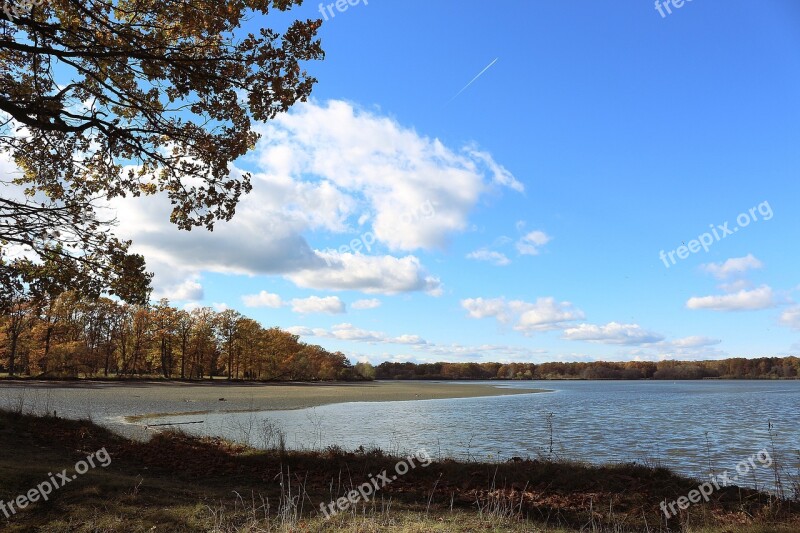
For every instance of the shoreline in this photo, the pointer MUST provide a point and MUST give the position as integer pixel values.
(167, 482)
(176, 399)
(388, 392)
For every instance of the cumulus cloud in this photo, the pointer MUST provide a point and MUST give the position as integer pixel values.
(257, 241)
(612, 333)
(744, 300)
(532, 242)
(791, 318)
(496, 258)
(696, 341)
(366, 304)
(305, 331)
(695, 347)
(324, 169)
(349, 332)
(315, 304)
(262, 299)
(543, 315)
(485, 307)
(392, 168)
(424, 351)
(369, 274)
(482, 352)
(188, 290)
(733, 266)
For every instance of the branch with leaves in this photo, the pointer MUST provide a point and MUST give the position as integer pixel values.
(104, 99)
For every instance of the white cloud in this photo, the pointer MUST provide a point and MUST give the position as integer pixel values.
(612, 333)
(688, 348)
(408, 339)
(366, 304)
(744, 300)
(530, 243)
(425, 351)
(696, 348)
(483, 308)
(484, 352)
(499, 173)
(262, 299)
(220, 306)
(189, 290)
(496, 258)
(324, 168)
(312, 304)
(696, 341)
(544, 315)
(316, 304)
(349, 332)
(392, 168)
(304, 331)
(370, 274)
(733, 266)
(791, 318)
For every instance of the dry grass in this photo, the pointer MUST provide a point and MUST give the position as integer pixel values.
(178, 483)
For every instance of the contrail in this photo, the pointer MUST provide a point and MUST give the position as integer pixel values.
(475, 78)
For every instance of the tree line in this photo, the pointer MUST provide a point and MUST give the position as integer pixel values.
(71, 336)
(734, 368)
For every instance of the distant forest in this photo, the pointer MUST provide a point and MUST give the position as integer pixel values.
(735, 368)
(67, 336)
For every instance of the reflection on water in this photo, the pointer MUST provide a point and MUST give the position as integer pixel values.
(691, 427)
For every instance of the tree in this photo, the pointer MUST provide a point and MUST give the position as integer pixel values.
(365, 370)
(141, 337)
(204, 342)
(166, 326)
(185, 323)
(107, 98)
(227, 326)
(250, 344)
(18, 318)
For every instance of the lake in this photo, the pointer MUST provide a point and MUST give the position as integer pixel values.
(685, 426)
(692, 427)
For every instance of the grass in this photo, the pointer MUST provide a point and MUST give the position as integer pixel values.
(179, 483)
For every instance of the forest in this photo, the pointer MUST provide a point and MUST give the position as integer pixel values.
(734, 368)
(71, 336)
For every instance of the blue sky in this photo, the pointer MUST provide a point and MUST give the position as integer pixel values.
(521, 218)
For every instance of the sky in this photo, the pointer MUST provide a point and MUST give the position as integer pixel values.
(518, 181)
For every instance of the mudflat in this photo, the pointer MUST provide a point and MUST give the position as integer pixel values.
(137, 400)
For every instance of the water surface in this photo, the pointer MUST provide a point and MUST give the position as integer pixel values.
(692, 427)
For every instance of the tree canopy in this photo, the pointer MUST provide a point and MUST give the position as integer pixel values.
(103, 99)
(734, 368)
(71, 336)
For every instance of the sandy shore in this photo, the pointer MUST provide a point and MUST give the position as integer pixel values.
(138, 400)
(275, 397)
